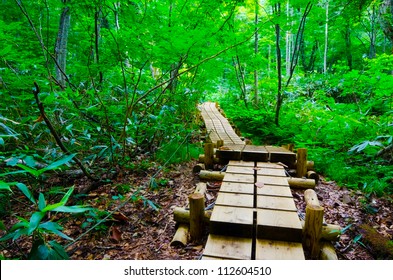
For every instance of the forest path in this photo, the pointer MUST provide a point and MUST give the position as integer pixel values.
(255, 216)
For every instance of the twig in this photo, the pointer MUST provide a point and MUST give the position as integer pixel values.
(55, 135)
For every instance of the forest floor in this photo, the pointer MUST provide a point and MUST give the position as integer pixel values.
(138, 231)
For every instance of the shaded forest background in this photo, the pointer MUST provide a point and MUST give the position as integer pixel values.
(100, 86)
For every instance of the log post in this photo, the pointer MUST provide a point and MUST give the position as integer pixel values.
(301, 166)
(181, 236)
(220, 143)
(330, 232)
(301, 183)
(311, 198)
(313, 175)
(328, 252)
(313, 230)
(182, 215)
(197, 168)
(213, 175)
(197, 214)
(209, 155)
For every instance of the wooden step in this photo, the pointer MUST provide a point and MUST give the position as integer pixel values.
(228, 247)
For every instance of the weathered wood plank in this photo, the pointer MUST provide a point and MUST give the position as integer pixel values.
(276, 202)
(235, 199)
(269, 165)
(269, 180)
(241, 163)
(231, 221)
(228, 247)
(270, 172)
(255, 153)
(234, 187)
(280, 154)
(241, 178)
(230, 151)
(274, 190)
(278, 250)
(240, 169)
(278, 225)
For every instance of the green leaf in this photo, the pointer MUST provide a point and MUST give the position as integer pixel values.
(2, 226)
(35, 220)
(30, 170)
(54, 228)
(41, 202)
(1, 141)
(71, 209)
(5, 186)
(67, 196)
(12, 161)
(61, 254)
(29, 160)
(58, 163)
(23, 188)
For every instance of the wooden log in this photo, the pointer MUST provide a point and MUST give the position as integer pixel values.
(220, 143)
(209, 155)
(301, 166)
(181, 236)
(313, 230)
(197, 214)
(201, 159)
(330, 232)
(301, 183)
(197, 168)
(328, 252)
(313, 175)
(213, 175)
(311, 198)
(200, 188)
(182, 215)
(310, 165)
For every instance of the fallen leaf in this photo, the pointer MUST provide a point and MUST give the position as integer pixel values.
(115, 234)
(120, 217)
(259, 185)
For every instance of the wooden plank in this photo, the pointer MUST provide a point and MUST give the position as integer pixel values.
(255, 153)
(278, 250)
(230, 152)
(269, 180)
(241, 163)
(274, 190)
(231, 221)
(228, 247)
(278, 225)
(276, 202)
(280, 154)
(240, 169)
(271, 172)
(269, 165)
(208, 258)
(235, 199)
(235, 187)
(241, 178)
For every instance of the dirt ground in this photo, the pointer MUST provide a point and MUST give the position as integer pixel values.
(142, 225)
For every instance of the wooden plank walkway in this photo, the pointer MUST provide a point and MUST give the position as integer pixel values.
(254, 216)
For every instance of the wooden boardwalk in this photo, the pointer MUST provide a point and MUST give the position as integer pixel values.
(254, 216)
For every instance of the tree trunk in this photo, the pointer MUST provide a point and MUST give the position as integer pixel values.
(256, 53)
(279, 77)
(61, 46)
(386, 19)
(325, 53)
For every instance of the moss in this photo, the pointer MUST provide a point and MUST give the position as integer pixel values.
(382, 247)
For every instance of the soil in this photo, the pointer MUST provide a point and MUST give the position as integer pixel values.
(142, 224)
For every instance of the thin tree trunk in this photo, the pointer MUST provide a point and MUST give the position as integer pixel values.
(325, 53)
(348, 46)
(279, 75)
(386, 19)
(61, 45)
(256, 101)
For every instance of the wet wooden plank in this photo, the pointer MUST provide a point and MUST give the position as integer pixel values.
(231, 221)
(241, 163)
(228, 247)
(278, 250)
(278, 225)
